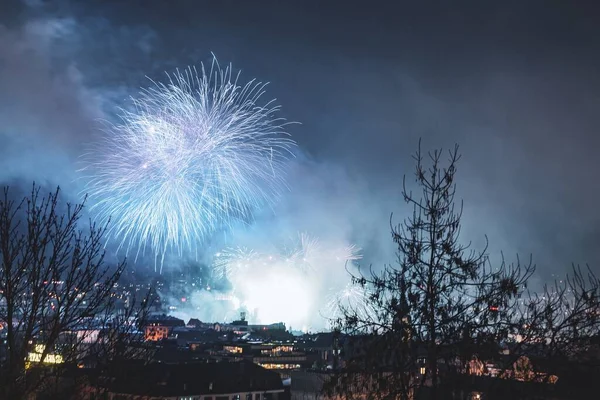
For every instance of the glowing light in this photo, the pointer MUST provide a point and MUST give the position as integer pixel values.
(196, 154)
(277, 296)
(36, 356)
(279, 285)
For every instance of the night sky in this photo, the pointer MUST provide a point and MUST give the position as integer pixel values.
(515, 83)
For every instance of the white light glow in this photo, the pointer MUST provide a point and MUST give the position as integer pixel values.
(276, 295)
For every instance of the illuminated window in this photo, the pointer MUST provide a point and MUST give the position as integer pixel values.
(36, 356)
(422, 370)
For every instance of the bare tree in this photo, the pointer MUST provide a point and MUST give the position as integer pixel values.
(58, 307)
(560, 326)
(426, 317)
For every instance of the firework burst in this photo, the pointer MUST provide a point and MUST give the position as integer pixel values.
(195, 154)
(348, 253)
(304, 252)
(352, 297)
(232, 261)
(279, 284)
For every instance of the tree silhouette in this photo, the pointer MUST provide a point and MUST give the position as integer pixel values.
(56, 294)
(439, 306)
(560, 327)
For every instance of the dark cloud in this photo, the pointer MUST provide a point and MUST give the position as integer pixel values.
(45, 111)
(514, 83)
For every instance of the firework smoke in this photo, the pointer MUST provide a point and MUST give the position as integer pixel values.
(196, 154)
(281, 284)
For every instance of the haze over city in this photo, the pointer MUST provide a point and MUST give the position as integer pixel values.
(292, 200)
(512, 84)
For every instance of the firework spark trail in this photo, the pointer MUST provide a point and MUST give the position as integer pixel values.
(305, 253)
(348, 253)
(195, 155)
(352, 297)
(233, 261)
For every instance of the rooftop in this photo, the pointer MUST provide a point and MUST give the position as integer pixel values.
(158, 379)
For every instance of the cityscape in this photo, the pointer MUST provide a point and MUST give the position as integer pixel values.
(299, 200)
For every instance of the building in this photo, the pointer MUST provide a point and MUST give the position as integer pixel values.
(278, 326)
(159, 327)
(325, 345)
(195, 381)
